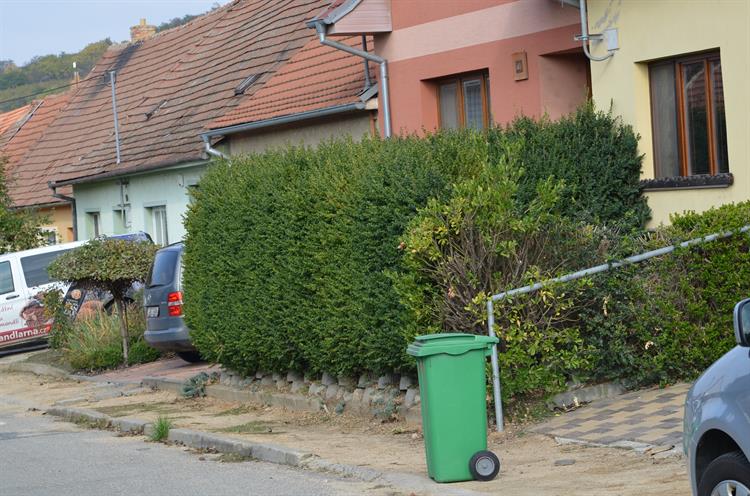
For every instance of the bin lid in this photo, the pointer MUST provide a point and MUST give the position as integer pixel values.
(448, 343)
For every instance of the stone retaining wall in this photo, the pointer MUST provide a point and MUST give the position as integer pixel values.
(385, 397)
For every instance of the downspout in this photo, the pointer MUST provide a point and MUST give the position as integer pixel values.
(368, 81)
(210, 150)
(321, 29)
(586, 37)
(51, 185)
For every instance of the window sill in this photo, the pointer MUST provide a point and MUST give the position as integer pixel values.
(703, 181)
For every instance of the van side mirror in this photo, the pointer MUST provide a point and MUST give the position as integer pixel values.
(742, 322)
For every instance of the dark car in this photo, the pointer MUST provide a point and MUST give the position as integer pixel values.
(165, 325)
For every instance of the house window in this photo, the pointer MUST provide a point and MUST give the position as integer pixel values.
(93, 224)
(687, 114)
(464, 102)
(49, 235)
(158, 217)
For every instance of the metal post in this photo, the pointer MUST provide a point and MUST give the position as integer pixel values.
(496, 390)
(114, 114)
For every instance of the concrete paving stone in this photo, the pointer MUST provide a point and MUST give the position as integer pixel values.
(385, 380)
(328, 379)
(292, 376)
(331, 392)
(365, 380)
(345, 381)
(648, 417)
(405, 382)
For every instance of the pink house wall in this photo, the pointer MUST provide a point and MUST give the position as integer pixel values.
(481, 35)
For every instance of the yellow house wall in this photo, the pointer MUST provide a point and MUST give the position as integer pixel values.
(654, 29)
(59, 219)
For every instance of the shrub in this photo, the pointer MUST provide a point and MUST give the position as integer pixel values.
(668, 319)
(94, 343)
(483, 240)
(595, 156)
(20, 228)
(54, 310)
(287, 252)
(112, 265)
(292, 257)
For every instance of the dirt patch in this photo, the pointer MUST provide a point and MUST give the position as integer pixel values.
(532, 464)
(53, 358)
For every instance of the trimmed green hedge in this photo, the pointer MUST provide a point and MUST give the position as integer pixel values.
(668, 319)
(287, 253)
(294, 257)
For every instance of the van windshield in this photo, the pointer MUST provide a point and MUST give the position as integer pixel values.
(35, 267)
(162, 272)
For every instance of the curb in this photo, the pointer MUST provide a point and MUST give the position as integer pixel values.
(270, 453)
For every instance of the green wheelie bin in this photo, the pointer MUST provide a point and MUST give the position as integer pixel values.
(452, 387)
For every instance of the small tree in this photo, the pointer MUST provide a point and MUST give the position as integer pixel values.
(20, 229)
(112, 265)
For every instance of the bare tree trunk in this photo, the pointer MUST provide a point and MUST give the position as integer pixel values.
(122, 312)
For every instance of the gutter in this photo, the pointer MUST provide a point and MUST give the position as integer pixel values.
(138, 169)
(285, 119)
(69, 199)
(320, 27)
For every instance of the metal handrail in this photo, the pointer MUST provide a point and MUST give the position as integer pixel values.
(496, 388)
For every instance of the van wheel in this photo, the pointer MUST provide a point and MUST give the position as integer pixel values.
(190, 356)
(728, 474)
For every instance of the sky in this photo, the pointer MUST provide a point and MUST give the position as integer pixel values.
(41, 27)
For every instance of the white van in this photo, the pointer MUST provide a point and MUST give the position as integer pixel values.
(23, 277)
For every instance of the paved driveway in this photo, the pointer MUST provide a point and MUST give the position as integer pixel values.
(649, 416)
(172, 368)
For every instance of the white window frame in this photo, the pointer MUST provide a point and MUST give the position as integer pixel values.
(159, 224)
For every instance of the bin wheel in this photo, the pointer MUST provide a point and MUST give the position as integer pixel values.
(484, 465)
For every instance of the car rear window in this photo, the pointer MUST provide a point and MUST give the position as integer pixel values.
(165, 265)
(35, 267)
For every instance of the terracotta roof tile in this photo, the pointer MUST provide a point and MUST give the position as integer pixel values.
(17, 140)
(12, 117)
(316, 77)
(168, 88)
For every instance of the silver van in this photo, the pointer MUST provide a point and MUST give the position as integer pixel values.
(716, 434)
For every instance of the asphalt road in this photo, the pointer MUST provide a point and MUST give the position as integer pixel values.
(40, 456)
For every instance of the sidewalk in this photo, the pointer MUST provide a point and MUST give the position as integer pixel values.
(648, 417)
(395, 451)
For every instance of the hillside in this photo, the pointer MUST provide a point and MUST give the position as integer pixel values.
(44, 73)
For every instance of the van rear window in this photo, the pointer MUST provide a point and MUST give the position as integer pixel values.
(165, 265)
(35, 267)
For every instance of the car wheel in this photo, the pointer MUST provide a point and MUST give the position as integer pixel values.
(194, 356)
(728, 475)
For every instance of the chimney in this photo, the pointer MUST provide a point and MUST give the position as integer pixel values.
(142, 31)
